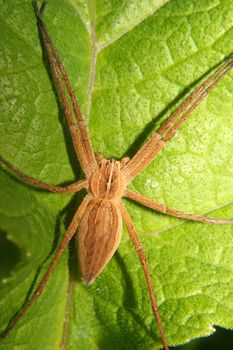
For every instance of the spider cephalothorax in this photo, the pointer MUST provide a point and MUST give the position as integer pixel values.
(107, 182)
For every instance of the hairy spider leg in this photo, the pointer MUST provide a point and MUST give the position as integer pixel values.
(64, 243)
(149, 203)
(74, 187)
(159, 139)
(79, 133)
(139, 249)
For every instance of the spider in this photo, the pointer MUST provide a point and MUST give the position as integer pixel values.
(99, 217)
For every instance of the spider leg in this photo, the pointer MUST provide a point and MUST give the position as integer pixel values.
(139, 249)
(79, 133)
(159, 139)
(68, 235)
(75, 187)
(99, 157)
(149, 203)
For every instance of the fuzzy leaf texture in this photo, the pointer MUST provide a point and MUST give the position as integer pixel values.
(131, 64)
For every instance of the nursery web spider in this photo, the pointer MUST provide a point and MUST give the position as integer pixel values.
(99, 217)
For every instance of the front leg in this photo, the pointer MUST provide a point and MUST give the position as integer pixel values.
(79, 133)
(166, 132)
(149, 203)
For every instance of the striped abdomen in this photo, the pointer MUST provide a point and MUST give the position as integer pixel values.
(98, 237)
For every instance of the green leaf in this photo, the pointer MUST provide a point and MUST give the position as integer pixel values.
(128, 75)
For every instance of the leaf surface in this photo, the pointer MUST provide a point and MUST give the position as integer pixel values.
(131, 64)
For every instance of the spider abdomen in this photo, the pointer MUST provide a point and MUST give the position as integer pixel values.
(98, 237)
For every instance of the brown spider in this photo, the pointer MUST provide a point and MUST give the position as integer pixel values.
(99, 217)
